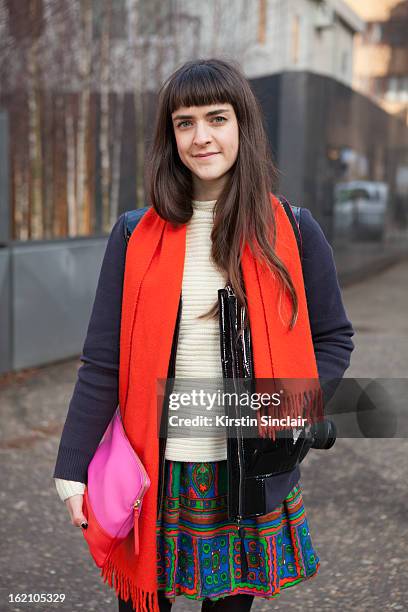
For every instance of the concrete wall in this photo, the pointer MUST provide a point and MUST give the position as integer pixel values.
(5, 312)
(47, 291)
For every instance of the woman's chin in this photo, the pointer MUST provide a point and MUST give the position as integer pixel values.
(209, 176)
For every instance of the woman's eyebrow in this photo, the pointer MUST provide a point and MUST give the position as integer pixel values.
(209, 114)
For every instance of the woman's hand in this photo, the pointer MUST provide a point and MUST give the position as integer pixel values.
(74, 505)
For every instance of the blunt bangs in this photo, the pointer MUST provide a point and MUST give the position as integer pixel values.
(199, 85)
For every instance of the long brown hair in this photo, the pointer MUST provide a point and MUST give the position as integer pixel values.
(243, 211)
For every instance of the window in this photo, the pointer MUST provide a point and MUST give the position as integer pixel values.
(295, 39)
(395, 32)
(396, 88)
(392, 89)
(374, 33)
(404, 89)
(262, 22)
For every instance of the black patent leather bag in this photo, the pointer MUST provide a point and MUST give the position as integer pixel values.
(262, 462)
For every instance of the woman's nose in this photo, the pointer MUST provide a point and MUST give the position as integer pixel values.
(201, 135)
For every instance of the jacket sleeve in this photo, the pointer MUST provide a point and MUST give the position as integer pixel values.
(95, 395)
(331, 329)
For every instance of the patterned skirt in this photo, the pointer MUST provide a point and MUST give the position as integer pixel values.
(198, 548)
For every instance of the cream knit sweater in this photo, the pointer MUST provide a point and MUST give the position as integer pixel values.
(198, 349)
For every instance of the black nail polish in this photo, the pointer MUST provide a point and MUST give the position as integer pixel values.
(84, 525)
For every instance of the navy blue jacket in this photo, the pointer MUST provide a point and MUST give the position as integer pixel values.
(95, 395)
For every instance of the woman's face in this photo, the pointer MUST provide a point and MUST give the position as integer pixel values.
(200, 130)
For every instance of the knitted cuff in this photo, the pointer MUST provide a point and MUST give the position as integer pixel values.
(68, 488)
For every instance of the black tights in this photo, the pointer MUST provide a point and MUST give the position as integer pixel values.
(231, 603)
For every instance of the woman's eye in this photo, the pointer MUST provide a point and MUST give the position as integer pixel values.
(182, 123)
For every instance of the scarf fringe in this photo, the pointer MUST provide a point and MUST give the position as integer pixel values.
(307, 404)
(142, 601)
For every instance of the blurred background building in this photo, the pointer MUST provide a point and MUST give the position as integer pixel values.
(381, 54)
(78, 86)
(304, 35)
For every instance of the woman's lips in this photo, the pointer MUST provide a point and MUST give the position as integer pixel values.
(205, 155)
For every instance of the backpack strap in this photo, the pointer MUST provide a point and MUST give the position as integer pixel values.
(293, 214)
(132, 218)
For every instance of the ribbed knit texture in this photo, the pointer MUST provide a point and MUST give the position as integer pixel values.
(68, 488)
(198, 350)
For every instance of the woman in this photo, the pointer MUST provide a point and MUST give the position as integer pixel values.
(213, 220)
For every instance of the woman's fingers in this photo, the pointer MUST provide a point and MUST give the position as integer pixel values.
(74, 505)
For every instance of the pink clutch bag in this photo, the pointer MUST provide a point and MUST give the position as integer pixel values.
(113, 497)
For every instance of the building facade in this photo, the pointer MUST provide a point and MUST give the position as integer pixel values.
(273, 36)
(381, 53)
(311, 35)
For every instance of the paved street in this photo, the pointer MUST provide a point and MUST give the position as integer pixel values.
(355, 494)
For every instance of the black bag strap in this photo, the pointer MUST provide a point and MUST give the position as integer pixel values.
(293, 214)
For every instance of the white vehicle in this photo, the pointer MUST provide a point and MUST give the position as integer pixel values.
(360, 209)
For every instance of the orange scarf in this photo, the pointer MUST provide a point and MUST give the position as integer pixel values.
(151, 293)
